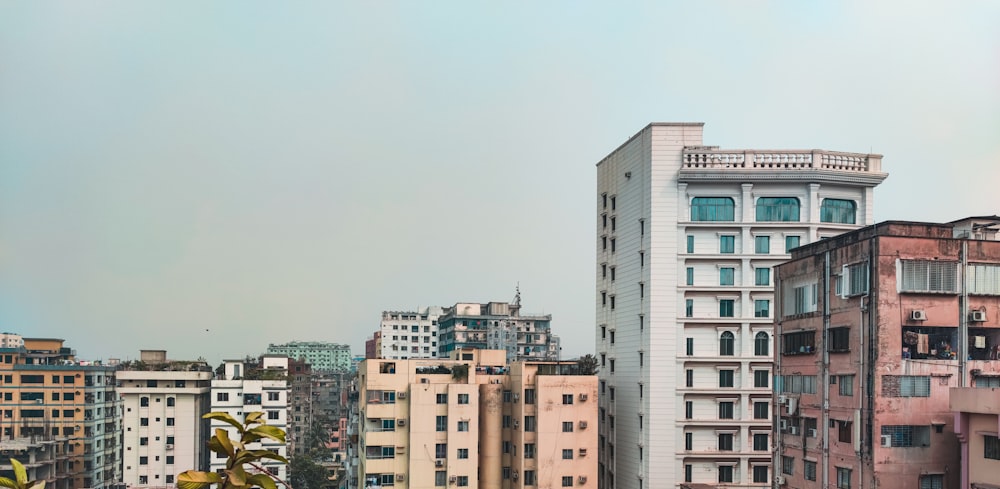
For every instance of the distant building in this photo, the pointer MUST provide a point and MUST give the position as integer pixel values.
(254, 387)
(373, 345)
(321, 356)
(476, 421)
(164, 433)
(49, 395)
(497, 326)
(11, 340)
(407, 334)
(686, 238)
(45, 458)
(876, 328)
(301, 405)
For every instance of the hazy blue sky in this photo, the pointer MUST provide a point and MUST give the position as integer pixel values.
(273, 171)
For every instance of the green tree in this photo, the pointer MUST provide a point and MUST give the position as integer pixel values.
(305, 473)
(587, 364)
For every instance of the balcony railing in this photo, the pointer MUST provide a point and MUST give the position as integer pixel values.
(696, 158)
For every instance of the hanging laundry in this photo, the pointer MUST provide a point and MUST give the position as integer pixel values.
(910, 338)
(980, 342)
(923, 344)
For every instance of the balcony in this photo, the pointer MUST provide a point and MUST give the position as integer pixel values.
(707, 162)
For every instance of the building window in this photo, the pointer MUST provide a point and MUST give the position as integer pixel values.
(567, 399)
(928, 276)
(906, 436)
(932, 481)
(761, 442)
(906, 386)
(170, 402)
(529, 396)
(727, 344)
(689, 346)
(840, 340)
(853, 280)
(844, 431)
(612, 245)
(612, 273)
(463, 426)
(762, 276)
(689, 410)
(727, 308)
(727, 276)
(440, 478)
(143, 460)
(688, 472)
(689, 276)
(688, 441)
(762, 245)
(983, 279)
(787, 465)
(222, 396)
(726, 378)
(761, 344)
(837, 211)
(726, 410)
(443, 398)
(761, 308)
(143, 421)
(760, 410)
(612, 302)
(760, 378)
(843, 478)
(529, 450)
(725, 442)
(463, 481)
(784, 209)
(441, 423)
(713, 209)
(727, 244)
(991, 447)
(760, 474)
(143, 441)
(567, 481)
(529, 477)
(689, 374)
(725, 473)
(463, 453)
(791, 242)
(567, 426)
(809, 470)
(688, 308)
(143, 402)
(567, 454)
(529, 424)
(690, 244)
(798, 343)
(463, 398)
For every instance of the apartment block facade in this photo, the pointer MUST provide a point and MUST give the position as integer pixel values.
(320, 355)
(164, 433)
(498, 326)
(876, 329)
(977, 421)
(687, 236)
(245, 388)
(476, 421)
(47, 394)
(407, 334)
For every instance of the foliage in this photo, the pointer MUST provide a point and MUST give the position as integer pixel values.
(587, 364)
(305, 472)
(253, 429)
(460, 371)
(21, 478)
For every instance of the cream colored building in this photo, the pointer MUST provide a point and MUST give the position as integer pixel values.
(475, 421)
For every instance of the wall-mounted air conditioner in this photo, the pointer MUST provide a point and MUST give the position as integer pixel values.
(918, 315)
(886, 440)
(977, 316)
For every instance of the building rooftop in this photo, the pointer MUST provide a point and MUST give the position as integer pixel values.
(910, 229)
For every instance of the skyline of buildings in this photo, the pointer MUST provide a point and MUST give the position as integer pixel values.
(686, 239)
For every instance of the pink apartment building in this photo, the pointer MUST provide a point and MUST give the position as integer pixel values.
(873, 328)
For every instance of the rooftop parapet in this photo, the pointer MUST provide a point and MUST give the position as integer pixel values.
(702, 159)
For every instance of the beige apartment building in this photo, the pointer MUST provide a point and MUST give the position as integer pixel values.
(476, 421)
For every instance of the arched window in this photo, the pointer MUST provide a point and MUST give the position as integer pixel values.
(761, 344)
(727, 343)
(713, 209)
(838, 210)
(778, 209)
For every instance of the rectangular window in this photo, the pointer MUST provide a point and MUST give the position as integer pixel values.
(762, 245)
(843, 478)
(761, 410)
(529, 477)
(529, 424)
(727, 308)
(442, 398)
(463, 453)
(760, 474)
(688, 308)
(441, 423)
(690, 276)
(983, 279)
(787, 465)
(725, 442)
(791, 242)
(844, 431)
(906, 436)
(761, 378)
(727, 244)
(854, 280)
(567, 399)
(688, 472)
(726, 409)
(906, 386)
(725, 473)
(761, 442)
(441, 450)
(727, 276)
(846, 385)
(809, 470)
(932, 481)
(795, 384)
(799, 343)
(726, 378)
(713, 209)
(689, 410)
(222, 396)
(463, 481)
(761, 308)
(463, 426)
(840, 340)
(463, 398)
(567, 426)
(928, 276)
(991, 447)
(778, 209)
(440, 478)
(803, 300)
(690, 346)
(838, 211)
(690, 377)
(529, 396)
(690, 244)
(762, 276)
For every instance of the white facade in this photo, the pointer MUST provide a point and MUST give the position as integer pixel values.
(236, 395)
(684, 298)
(410, 334)
(164, 433)
(11, 340)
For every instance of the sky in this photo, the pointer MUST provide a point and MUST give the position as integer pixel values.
(209, 178)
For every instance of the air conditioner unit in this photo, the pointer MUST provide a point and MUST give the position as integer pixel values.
(453, 479)
(516, 396)
(400, 450)
(783, 425)
(401, 395)
(400, 477)
(514, 475)
(582, 479)
(583, 425)
(793, 430)
(780, 480)
(516, 424)
(977, 316)
(583, 452)
(812, 432)
(918, 315)
(439, 463)
(886, 440)
(400, 422)
(782, 399)
(170, 447)
(583, 397)
(792, 405)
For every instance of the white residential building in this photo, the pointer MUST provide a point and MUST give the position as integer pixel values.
(249, 388)
(11, 340)
(409, 334)
(687, 236)
(164, 433)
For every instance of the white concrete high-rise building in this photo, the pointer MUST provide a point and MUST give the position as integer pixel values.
(409, 334)
(164, 434)
(687, 236)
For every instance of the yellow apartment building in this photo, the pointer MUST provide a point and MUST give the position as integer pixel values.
(47, 394)
(476, 421)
